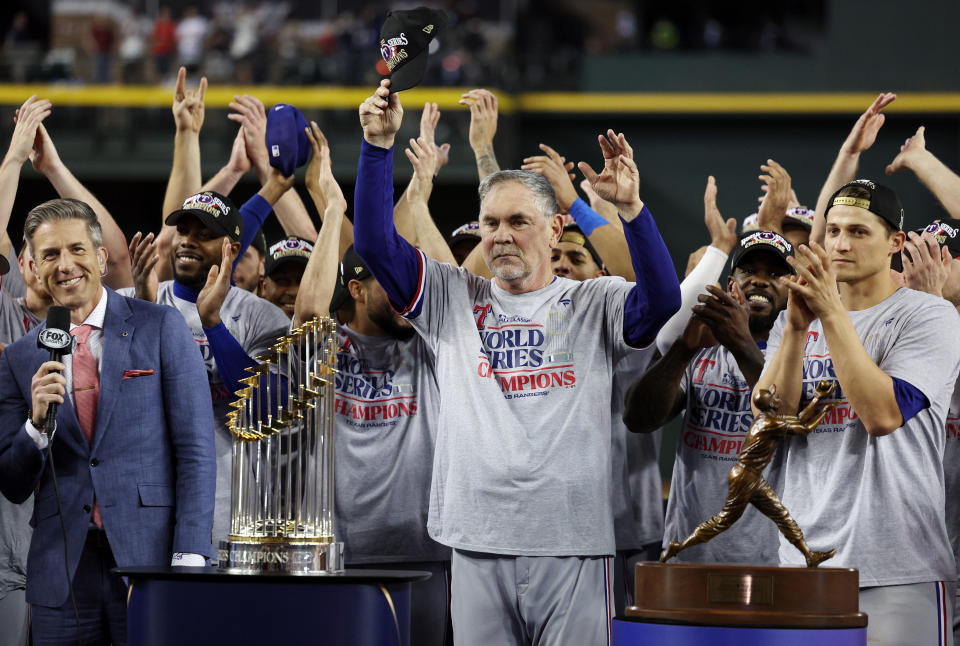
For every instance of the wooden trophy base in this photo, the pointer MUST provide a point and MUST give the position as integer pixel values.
(747, 596)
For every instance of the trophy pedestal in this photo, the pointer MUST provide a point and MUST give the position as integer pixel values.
(246, 556)
(719, 604)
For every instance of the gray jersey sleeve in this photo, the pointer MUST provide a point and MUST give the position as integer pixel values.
(922, 355)
(445, 286)
(13, 282)
(267, 324)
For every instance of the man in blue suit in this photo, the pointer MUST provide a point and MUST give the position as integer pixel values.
(133, 445)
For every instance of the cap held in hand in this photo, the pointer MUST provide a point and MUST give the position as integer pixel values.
(287, 145)
(405, 42)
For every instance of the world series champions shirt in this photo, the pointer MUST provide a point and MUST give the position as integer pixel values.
(715, 423)
(951, 472)
(256, 324)
(387, 404)
(878, 500)
(523, 459)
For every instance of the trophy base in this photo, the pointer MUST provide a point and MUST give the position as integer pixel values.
(247, 557)
(744, 595)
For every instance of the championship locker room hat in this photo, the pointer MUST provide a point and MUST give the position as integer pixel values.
(405, 42)
(754, 241)
(946, 232)
(292, 249)
(468, 231)
(216, 211)
(352, 267)
(287, 145)
(572, 233)
(873, 197)
(799, 215)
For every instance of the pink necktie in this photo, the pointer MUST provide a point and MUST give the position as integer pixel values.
(86, 392)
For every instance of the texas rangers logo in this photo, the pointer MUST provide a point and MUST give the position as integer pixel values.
(391, 52)
(481, 311)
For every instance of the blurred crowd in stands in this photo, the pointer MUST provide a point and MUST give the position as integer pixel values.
(511, 44)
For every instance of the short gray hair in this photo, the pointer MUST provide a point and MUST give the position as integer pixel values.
(62, 209)
(543, 196)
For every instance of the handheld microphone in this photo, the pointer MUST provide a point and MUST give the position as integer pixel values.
(56, 338)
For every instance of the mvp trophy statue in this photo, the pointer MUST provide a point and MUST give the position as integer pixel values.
(711, 604)
(283, 480)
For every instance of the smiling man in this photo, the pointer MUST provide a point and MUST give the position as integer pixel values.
(521, 479)
(230, 325)
(128, 390)
(708, 374)
(870, 481)
(283, 271)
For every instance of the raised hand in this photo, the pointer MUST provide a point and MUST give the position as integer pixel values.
(483, 117)
(214, 292)
(424, 158)
(912, 149)
(428, 130)
(697, 335)
(143, 260)
(320, 180)
(28, 118)
(250, 113)
(926, 265)
(799, 316)
(44, 156)
(773, 207)
(239, 162)
(556, 170)
(619, 182)
(865, 130)
(188, 108)
(380, 116)
(817, 282)
(723, 233)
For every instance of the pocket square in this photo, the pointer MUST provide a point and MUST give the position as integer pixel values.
(130, 374)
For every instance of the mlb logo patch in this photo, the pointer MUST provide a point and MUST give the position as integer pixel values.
(275, 150)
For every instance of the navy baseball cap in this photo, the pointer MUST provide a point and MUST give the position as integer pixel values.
(352, 267)
(216, 211)
(754, 241)
(287, 145)
(947, 234)
(405, 43)
(876, 198)
(292, 249)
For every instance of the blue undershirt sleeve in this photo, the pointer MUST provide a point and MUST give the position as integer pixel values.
(656, 296)
(254, 213)
(232, 362)
(586, 218)
(909, 398)
(394, 262)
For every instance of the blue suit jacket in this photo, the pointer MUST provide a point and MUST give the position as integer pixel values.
(152, 466)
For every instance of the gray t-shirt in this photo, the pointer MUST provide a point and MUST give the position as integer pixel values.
(523, 456)
(15, 530)
(387, 405)
(256, 324)
(878, 500)
(715, 423)
(13, 280)
(637, 491)
(951, 472)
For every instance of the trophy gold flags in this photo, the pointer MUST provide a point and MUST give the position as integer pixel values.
(282, 483)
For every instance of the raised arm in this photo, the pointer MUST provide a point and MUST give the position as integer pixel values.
(423, 155)
(777, 197)
(393, 261)
(323, 193)
(320, 275)
(47, 162)
(723, 237)
(656, 397)
(483, 128)
(236, 167)
(185, 179)
(656, 295)
(250, 113)
(29, 118)
(606, 239)
(940, 180)
(861, 137)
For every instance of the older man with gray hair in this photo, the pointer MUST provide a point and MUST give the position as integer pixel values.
(521, 481)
